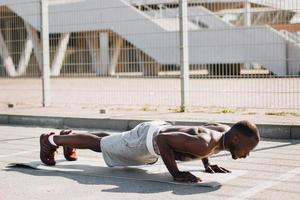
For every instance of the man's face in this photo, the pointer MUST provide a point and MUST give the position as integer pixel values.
(242, 146)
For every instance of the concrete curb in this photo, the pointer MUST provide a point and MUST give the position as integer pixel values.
(266, 130)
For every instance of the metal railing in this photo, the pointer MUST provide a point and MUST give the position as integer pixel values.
(242, 54)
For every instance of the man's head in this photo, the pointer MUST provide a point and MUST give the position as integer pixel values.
(241, 139)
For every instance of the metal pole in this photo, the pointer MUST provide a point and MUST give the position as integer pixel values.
(287, 58)
(45, 52)
(247, 23)
(247, 19)
(184, 55)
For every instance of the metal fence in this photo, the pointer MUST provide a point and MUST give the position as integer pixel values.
(221, 53)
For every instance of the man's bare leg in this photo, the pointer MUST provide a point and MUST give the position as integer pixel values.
(101, 134)
(70, 142)
(80, 141)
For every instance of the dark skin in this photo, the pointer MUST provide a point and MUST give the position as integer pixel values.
(179, 143)
(190, 143)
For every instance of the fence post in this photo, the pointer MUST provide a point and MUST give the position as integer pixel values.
(247, 10)
(184, 55)
(247, 23)
(45, 52)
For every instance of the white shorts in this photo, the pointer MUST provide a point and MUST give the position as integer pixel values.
(130, 148)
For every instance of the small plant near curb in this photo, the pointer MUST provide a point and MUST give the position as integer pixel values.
(148, 108)
(176, 109)
(228, 110)
(182, 109)
(282, 113)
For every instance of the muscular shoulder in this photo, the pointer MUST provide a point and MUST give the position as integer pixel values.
(205, 134)
(217, 127)
(184, 129)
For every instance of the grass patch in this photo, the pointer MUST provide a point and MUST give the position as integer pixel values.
(148, 108)
(176, 109)
(228, 110)
(282, 113)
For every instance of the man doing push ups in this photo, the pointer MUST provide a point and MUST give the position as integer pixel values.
(148, 141)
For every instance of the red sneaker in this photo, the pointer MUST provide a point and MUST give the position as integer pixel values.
(69, 152)
(47, 150)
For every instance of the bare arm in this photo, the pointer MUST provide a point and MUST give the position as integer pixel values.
(180, 142)
(205, 162)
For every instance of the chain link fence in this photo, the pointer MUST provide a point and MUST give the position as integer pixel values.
(241, 53)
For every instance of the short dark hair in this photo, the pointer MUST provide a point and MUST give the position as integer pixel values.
(247, 128)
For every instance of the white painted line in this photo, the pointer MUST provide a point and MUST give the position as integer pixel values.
(267, 184)
(18, 153)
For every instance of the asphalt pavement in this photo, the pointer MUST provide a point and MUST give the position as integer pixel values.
(273, 173)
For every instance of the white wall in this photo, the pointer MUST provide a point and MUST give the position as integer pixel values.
(294, 58)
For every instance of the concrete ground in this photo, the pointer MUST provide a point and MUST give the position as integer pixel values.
(271, 93)
(273, 173)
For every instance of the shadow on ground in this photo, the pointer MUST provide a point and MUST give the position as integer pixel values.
(123, 185)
